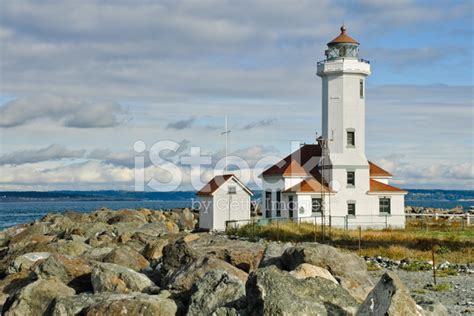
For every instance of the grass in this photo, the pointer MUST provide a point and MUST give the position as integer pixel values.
(440, 287)
(415, 242)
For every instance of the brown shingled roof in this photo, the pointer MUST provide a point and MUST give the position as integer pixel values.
(343, 38)
(302, 162)
(376, 186)
(309, 185)
(376, 171)
(216, 182)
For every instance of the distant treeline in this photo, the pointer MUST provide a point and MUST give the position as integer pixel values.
(111, 195)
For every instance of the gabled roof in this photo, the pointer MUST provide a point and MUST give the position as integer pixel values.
(308, 186)
(302, 162)
(376, 186)
(376, 171)
(216, 183)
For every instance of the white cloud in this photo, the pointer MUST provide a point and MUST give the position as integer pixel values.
(69, 112)
(52, 152)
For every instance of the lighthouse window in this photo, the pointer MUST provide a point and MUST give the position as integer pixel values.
(351, 209)
(350, 139)
(351, 178)
(361, 88)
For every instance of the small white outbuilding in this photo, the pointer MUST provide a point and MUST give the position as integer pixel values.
(224, 198)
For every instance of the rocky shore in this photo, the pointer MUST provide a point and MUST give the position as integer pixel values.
(433, 210)
(144, 262)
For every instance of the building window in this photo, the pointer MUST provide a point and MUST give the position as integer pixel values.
(361, 88)
(291, 206)
(351, 208)
(384, 205)
(350, 138)
(316, 205)
(268, 204)
(232, 189)
(278, 203)
(351, 178)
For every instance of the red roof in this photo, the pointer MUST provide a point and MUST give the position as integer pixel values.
(376, 186)
(343, 38)
(216, 182)
(309, 185)
(376, 171)
(302, 162)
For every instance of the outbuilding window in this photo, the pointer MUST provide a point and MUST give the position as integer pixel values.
(316, 205)
(384, 205)
(232, 189)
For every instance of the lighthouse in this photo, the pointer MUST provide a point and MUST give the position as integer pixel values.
(332, 181)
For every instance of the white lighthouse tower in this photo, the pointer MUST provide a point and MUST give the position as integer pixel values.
(343, 76)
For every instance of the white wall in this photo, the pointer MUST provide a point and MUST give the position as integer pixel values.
(206, 212)
(230, 206)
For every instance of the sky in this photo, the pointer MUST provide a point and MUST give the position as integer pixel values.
(82, 81)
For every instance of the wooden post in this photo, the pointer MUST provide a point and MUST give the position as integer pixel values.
(314, 228)
(278, 230)
(360, 236)
(434, 264)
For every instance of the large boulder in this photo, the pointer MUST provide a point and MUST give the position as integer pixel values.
(215, 289)
(127, 257)
(124, 216)
(26, 261)
(109, 277)
(184, 219)
(389, 297)
(241, 254)
(154, 249)
(14, 282)
(349, 269)
(176, 255)
(271, 291)
(73, 248)
(73, 271)
(184, 278)
(113, 304)
(306, 270)
(133, 304)
(429, 306)
(272, 254)
(36, 298)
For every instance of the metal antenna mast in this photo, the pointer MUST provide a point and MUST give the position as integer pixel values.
(226, 133)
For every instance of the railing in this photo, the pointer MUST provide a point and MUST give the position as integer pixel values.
(380, 221)
(322, 62)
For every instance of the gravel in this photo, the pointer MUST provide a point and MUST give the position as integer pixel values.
(459, 299)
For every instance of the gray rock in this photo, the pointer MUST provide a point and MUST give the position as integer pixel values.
(349, 269)
(176, 255)
(73, 271)
(430, 306)
(270, 291)
(127, 257)
(36, 298)
(183, 279)
(389, 297)
(215, 289)
(114, 304)
(272, 254)
(133, 304)
(26, 261)
(109, 277)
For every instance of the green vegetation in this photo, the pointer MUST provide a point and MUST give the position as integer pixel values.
(452, 243)
(440, 287)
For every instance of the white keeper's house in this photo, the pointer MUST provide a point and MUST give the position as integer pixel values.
(333, 178)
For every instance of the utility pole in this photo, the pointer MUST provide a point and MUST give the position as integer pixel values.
(226, 133)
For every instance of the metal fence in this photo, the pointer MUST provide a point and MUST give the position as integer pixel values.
(381, 221)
